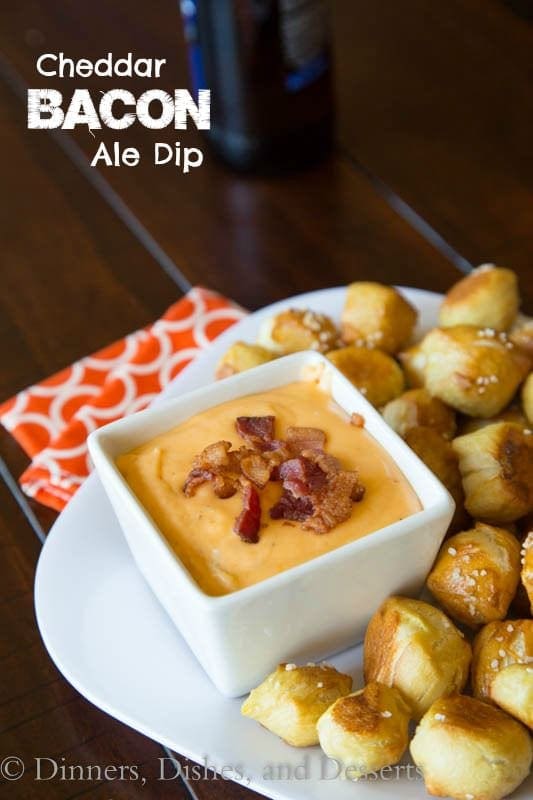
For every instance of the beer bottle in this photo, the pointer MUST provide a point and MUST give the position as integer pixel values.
(267, 63)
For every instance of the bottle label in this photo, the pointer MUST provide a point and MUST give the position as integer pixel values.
(305, 38)
(189, 13)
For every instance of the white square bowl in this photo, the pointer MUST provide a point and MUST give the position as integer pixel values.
(307, 612)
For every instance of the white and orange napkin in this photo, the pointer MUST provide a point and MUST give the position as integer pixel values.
(51, 420)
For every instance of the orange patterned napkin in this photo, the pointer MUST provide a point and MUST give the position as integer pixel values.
(52, 420)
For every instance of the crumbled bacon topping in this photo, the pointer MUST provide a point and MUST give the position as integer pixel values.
(292, 508)
(248, 522)
(300, 439)
(317, 492)
(302, 476)
(256, 431)
(257, 469)
(218, 464)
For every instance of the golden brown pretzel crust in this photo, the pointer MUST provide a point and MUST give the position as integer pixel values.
(474, 370)
(366, 730)
(476, 574)
(417, 408)
(498, 645)
(378, 316)
(376, 374)
(414, 647)
(291, 699)
(468, 749)
(496, 464)
(488, 297)
(512, 690)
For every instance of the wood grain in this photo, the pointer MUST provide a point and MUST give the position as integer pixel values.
(270, 238)
(436, 99)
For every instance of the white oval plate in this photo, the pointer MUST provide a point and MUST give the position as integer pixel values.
(114, 643)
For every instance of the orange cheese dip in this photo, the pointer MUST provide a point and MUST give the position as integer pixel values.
(200, 528)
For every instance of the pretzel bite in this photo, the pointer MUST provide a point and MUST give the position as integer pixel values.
(377, 316)
(365, 731)
(476, 574)
(417, 408)
(512, 690)
(413, 361)
(298, 329)
(374, 373)
(511, 414)
(291, 699)
(474, 370)
(439, 456)
(521, 334)
(527, 567)
(240, 357)
(414, 647)
(527, 398)
(469, 750)
(496, 465)
(487, 298)
(497, 646)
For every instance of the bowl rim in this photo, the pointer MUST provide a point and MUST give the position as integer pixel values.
(105, 467)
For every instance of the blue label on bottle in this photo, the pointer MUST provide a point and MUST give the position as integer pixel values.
(309, 73)
(189, 13)
(304, 27)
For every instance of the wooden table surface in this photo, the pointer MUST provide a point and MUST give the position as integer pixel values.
(432, 173)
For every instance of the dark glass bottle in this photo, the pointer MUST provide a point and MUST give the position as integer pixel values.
(267, 63)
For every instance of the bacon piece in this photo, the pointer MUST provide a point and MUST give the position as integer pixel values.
(291, 507)
(327, 463)
(302, 477)
(357, 420)
(300, 439)
(257, 431)
(257, 469)
(216, 463)
(214, 456)
(248, 522)
(195, 478)
(335, 505)
(317, 492)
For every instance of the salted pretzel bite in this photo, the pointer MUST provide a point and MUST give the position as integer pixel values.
(365, 731)
(476, 574)
(512, 690)
(417, 407)
(469, 750)
(512, 413)
(496, 464)
(413, 362)
(291, 700)
(414, 647)
(527, 398)
(487, 298)
(521, 333)
(474, 370)
(496, 646)
(437, 453)
(378, 316)
(298, 329)
(374, 373)
(240, 357)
